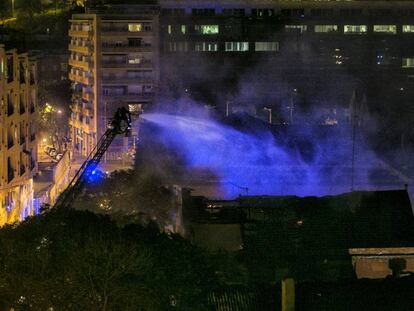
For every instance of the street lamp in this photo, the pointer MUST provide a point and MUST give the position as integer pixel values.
(227, 108)
(12, 1)
(292, 104)
(270, 113)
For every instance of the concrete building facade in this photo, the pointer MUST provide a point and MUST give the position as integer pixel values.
(113, 63)
(278, 53)
(18, 146)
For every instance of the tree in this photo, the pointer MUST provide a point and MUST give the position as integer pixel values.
(73, 260)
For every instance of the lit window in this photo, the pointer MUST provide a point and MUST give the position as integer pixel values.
(134, 27)
(183, 29)
(207, 29)
(408, 63)
(408, 28)
(206, 46)
(134, 61)
(391, 29)
(266, 46)
(296, 28)
(326, 28)
(237, 46)
(355, 29)
(169, 29)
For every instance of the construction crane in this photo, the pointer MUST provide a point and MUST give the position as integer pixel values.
(119, 125)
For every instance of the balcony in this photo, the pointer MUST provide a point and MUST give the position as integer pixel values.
(81, 33)
(80, 48)
(131, 96)
(126, 48)
(125, 64)
(116, 31)
(78, 78)
(87, 110)
(80, 64)
(87, 96)
(126, 80)
(75, 107)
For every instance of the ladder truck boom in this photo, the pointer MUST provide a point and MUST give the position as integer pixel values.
(120, 124)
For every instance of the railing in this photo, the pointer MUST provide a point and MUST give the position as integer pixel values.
(143, 64)
(125, 46)
(125, 29)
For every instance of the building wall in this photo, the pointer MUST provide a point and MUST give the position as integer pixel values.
(18, 147)
(114, 63)
(304, 45)
(376, 263)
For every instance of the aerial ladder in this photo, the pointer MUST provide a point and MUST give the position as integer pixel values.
(119, 125)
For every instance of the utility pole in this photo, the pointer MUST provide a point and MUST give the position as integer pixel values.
(227, 108)
(270, 113)
(354, 125)
(292, 105)
(12, 1)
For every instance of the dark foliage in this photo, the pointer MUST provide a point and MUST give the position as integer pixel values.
(73, 260)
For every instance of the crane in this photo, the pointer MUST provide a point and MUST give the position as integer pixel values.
(119, 125)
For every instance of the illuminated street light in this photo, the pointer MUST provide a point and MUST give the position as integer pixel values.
(270, 113)
(59, 111)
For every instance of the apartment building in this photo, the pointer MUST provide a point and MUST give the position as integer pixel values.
(113, 62)
(322, 49)
(18, 162)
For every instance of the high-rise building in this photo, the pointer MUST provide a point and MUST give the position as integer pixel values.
(264, 51)
(113, 63)
(18, 147)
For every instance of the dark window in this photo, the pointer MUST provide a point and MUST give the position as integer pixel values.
(262, 13)
(134, 42)
(10, 142)
(234, 12)
(10, 104)
(10, 71)
(22, 72)
(203, 12)
(10, 170)
(22, 108)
